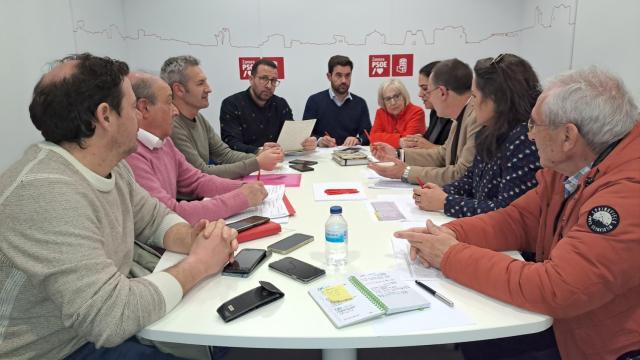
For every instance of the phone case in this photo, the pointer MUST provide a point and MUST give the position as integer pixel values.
(301, 168)
(297, 269)
(249, 301)
(244, 274)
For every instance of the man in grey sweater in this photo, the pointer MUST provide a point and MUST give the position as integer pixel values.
(69, 213)
(193, 135)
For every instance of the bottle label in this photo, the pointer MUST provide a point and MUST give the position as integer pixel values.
(336, 237)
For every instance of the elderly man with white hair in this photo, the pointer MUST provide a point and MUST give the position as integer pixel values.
(581, 221)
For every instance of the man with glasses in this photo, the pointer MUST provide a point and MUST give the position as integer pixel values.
(449, 90)
(581, 221)
(194, 136)
(342, 116)
(253, 118)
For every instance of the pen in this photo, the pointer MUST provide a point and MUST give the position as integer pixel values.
(258, 177)
(326, 133)
(434, 293)
(420, 183)
(367, 134)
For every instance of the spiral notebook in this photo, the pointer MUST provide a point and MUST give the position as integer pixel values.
(365, 296)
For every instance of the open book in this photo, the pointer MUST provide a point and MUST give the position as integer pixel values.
(364, 296)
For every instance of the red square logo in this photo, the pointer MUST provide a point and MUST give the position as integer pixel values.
(379, 65)
(279, 63)
(245, 64)
(402, 65)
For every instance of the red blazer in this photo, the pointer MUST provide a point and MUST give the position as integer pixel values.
(389, 129)
(587, 274)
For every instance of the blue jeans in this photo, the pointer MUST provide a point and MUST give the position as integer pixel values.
(131, 349)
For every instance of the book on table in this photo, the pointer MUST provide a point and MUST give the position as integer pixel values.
(365, 296)
(350, 156)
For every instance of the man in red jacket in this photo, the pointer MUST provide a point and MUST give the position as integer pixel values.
(581, 221)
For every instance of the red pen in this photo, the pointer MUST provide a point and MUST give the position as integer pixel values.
(366, 133)
(327, 134)
(258, 177)
(420, 183)
(340, 191)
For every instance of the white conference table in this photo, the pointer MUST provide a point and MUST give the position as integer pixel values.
(296, 322)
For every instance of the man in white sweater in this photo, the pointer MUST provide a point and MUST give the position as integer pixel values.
(69, 213)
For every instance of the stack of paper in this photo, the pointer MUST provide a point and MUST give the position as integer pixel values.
(273, 207)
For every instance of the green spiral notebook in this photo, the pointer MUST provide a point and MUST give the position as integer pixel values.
(365, 296)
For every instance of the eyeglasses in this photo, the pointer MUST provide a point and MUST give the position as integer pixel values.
(427, 93)
(264, 80)
(531, 125)
(390, 99)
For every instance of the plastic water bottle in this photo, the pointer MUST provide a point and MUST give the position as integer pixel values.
(336, 239)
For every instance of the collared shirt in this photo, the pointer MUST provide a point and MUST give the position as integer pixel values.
(571, 183)
(149, 140)
(335, 99)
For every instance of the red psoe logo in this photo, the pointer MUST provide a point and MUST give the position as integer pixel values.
(402, 65)
(246, 63)
(379, 65)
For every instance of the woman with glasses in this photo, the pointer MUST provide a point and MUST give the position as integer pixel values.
(397, 117)
(504, 91)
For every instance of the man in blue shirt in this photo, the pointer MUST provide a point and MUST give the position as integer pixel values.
(342, 117)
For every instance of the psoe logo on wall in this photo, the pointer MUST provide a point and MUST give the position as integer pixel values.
(246, 63)
(402, 65)
(379, 65)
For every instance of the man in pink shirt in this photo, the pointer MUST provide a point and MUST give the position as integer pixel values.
(160, 168)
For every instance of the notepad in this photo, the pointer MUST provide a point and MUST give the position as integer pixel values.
(365, 296)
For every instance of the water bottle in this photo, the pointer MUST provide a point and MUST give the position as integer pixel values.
(336, 237)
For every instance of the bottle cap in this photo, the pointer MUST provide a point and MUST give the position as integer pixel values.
(336, 210)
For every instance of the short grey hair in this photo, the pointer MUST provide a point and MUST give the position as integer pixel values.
(595, 101)
(393, 84)
(173, 69)
(143, 88)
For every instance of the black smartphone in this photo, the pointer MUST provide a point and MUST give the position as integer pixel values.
(301, 167)
(248, 223)
(296, 269)
(303, 162)
(290, 243)
(246, 260)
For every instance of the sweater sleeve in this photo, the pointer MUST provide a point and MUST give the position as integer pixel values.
(231, 127)
(584, 271)
(230, 164)
(64, 256)
(516, 176)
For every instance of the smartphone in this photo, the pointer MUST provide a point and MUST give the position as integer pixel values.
(296, 269)
(248, 223)
(290, 243)
(303, 162)
(246, 260)
(301, 167)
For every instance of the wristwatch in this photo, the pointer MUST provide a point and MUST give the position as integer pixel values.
(405, 175)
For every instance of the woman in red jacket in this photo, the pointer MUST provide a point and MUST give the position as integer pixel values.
(397, 117)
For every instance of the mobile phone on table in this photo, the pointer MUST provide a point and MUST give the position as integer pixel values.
(248, 223)
(301, 167)
(296, 269)
(290, 243)
(303, 162)
(245, 262)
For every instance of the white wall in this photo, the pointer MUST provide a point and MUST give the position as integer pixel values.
(145, 32)
(608, 35)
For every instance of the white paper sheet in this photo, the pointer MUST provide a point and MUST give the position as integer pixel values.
(273, 206)
(293, 133)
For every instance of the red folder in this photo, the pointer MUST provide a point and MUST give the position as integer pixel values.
(287, 203)
(260, 231)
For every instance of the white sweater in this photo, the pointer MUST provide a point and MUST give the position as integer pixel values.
(66, 247)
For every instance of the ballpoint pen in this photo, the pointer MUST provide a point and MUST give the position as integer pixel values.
(435, 293)
(258, 177)
(420, 183)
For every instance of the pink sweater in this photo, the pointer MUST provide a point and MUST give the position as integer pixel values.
(164, 172)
